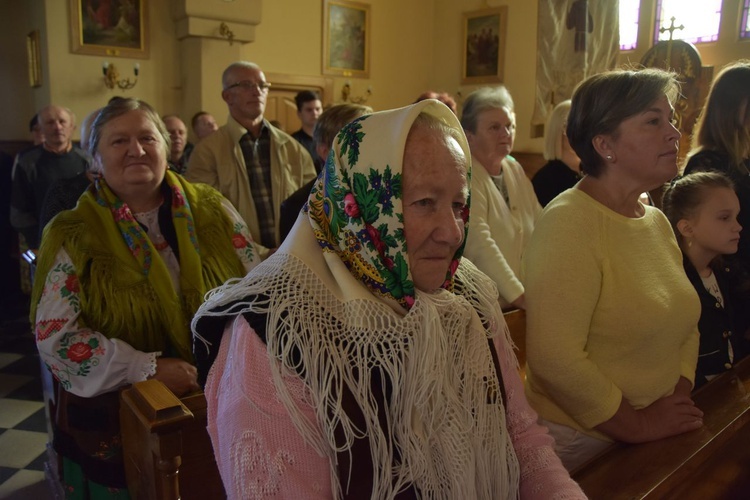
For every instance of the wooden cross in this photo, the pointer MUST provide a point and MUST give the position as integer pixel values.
(672, 28)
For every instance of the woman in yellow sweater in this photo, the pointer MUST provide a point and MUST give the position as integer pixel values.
(612, 338)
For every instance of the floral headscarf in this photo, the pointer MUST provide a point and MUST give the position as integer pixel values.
(355, 206)
(337, 308)
(133, 234)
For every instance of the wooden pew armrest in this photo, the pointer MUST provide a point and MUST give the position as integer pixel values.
(167, 450)
(151, 419)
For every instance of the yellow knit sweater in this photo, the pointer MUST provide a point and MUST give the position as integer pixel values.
(611, 313)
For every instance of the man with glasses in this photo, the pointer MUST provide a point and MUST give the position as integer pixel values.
(255, 165)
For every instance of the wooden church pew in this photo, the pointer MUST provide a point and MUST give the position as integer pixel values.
(168, 453)
(712, 462)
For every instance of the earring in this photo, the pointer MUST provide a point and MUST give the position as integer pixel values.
(609, 157)
(689, 243)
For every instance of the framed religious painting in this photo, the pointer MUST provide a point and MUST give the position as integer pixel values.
(116, 28)
(346, 38)
(484, 45)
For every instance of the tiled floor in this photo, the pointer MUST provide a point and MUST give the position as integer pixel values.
(23, 428)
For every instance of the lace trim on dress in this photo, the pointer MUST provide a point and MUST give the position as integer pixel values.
(149, 369)
(150, 221)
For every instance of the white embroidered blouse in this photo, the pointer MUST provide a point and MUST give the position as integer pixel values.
(64, 344)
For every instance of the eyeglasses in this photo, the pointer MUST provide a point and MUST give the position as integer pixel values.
(248, 85)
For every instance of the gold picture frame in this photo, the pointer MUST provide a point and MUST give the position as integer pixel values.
(35, 59)
(484, 45)
(346, 38)
(118, 28)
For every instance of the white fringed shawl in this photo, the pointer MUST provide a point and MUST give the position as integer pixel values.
(445, 415)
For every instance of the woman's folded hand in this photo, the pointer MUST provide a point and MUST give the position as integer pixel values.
(179, 376)
(668, 416)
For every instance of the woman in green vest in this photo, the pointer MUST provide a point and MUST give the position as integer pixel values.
(118, 281)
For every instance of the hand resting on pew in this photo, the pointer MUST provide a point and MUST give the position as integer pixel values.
(668, 416)
(178, 375)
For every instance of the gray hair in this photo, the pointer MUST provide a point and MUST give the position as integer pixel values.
(118, 108)
(554, 130)
(236, 65)
(480, 101)
(86, 128)
(67, 110)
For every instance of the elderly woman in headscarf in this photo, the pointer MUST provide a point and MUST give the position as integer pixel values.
(366, 358)
(118, 281)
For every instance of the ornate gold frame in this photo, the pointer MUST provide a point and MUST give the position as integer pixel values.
(494, 19)
(79, 45)
(335, 45)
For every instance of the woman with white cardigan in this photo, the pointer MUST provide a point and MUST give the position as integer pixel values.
(504, 206)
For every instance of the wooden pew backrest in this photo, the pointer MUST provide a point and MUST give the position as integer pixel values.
(168, 453)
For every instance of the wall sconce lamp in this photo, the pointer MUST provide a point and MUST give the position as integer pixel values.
(346, 96)
(112, 77)
(225, 32)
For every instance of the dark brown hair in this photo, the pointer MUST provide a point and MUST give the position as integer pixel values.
(602, 102)
(724, 122)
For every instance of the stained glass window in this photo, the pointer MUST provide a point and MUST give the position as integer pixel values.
(629, 10)
(699, 20)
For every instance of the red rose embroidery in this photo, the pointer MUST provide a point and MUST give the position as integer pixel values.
(71, 283)
(79, 352)
(374, 235)
(121, 213)
(388, 263)
(177, 199)
(350, 206)
(239, 241)
(380, 247)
